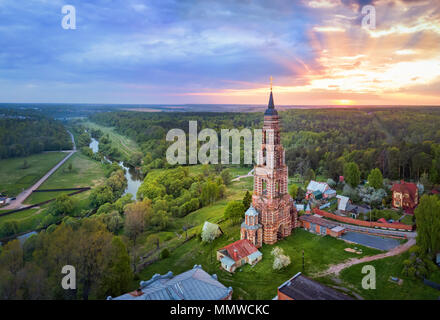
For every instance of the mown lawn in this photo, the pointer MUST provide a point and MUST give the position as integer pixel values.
(410, 289)
(259, 281)
(14, 179)
(85, 173)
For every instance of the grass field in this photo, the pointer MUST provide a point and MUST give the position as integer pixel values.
(85, 173)
(410, 289)
(14, 179)
(27, 220)
(124, 144)
(260, 281)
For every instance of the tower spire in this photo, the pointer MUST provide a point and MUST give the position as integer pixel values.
(271, 104)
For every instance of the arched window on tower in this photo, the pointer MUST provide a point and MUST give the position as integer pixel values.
(264, 156)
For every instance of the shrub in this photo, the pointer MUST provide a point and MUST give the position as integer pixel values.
(165, 253)
(281, 260)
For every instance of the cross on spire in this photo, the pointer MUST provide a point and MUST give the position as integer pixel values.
(271, 79)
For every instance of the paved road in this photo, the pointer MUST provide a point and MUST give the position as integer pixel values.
(250, 174)
(337, 268)
(18, 203)
(368, 240)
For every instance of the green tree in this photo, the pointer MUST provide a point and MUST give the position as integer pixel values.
(63, 205)
(428, 224)
(375, 179)
(310, 175)
(100, 195)
(9, 228)
(234, 211)
(247, 200)
(165, 253)
(210, 193)
(293, 191)
(118, 274)
(226, 177)
(300, 194)
(352, 174)
(135, 159)
(84, 140)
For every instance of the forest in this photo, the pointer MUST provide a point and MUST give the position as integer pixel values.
(403, 144)
(26, 132)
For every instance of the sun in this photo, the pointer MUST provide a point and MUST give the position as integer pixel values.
(343, 102)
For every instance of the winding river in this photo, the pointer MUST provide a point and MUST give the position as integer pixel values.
(134, 178)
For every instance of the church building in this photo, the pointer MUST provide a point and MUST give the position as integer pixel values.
(272, 215)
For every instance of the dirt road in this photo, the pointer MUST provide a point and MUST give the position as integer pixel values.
(337, 268)
(18, 202)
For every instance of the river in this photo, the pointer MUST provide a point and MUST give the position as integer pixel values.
(134, 178)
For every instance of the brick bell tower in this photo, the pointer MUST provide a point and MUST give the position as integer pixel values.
(276, 211)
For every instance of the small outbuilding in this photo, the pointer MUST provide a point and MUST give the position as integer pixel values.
(301, 287)
(316, 224)
(237, 254)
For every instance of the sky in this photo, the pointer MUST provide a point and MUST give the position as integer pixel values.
(319, 52)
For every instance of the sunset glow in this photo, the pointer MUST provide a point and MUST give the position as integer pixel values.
(318, 52)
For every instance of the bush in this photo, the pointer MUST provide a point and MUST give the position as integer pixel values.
(9, 228)
(281, 260)
(165, 253)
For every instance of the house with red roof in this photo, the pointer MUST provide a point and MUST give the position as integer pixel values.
(238, 254)
(405, 196)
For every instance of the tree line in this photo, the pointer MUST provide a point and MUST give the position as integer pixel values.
(23, 133)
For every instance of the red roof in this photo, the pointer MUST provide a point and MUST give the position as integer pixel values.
(382, 220)
(241, 248)
(403, 186)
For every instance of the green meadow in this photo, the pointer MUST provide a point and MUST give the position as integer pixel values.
(14, 178)
(85, 173)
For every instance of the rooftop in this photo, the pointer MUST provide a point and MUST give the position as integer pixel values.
(194, 284)
(251, 212)
(318, 220)
(317, 186)
(242, 248)
(302, 288)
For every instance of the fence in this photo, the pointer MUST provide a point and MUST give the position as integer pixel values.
(393, 226)
(79, 190)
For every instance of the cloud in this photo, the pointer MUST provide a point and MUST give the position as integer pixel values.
(176, 51)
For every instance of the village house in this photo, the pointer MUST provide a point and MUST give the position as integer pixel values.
(316, 224)
(301, 287)
(405, 196)
(343, 203)
(237, 254)
(194, 284)
(319, 190)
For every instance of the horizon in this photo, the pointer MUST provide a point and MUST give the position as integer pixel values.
(320, 52)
